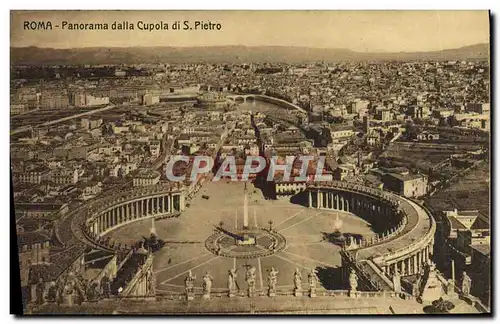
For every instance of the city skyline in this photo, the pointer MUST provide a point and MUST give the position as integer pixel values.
(332, 163)
(365, 32)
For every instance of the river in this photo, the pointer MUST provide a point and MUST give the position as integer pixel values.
(259, 106)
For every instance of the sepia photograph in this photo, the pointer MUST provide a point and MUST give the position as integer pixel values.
(228, 162)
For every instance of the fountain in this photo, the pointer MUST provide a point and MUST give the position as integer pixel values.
(337, 235)
(245, 241)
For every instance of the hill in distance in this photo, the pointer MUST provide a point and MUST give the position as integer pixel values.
(228, 54)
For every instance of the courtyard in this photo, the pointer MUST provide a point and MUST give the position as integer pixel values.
(305, 231)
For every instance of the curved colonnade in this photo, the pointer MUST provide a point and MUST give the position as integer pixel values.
(107, 214)
(404, 246)
(408, 235)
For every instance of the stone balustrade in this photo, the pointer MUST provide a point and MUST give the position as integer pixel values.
(223, 293)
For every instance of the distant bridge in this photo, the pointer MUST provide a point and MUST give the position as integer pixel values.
(252, 97)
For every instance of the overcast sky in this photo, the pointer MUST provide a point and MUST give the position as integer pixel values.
(363, 31)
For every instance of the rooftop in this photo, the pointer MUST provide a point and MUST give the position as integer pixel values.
(147, 173)
(29, 238)
(482, 248)
(404, 177)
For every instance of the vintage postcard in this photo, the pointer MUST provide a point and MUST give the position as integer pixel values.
(251, 162)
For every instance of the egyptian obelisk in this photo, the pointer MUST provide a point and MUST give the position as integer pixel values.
(245, 209)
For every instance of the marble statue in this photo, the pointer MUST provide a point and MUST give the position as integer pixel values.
(313, 280)
(40, 291)
(150, 283)
(432, 288)
(105, 287)
(450, 288)
(396, 281)
(231, 282)
(250, 279)
(60, 292)
(52, 292)
(422, 273)
(92, 292)
(416, 286)
(207, 285)
(272, 280)
(68, 291)
(466, 284)
(189, 284)
(297, 282)
(353, 283)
